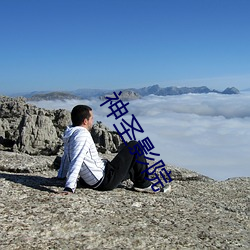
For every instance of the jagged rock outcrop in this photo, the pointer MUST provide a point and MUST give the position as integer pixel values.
(129, 95)
(26, 128)
(105, 140)
(126, 95)
(37, 133)
(29, 129)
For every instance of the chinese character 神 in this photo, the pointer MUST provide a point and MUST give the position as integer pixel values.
(118, 109)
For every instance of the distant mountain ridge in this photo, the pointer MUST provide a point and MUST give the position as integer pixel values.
(133, 93)
(128, 94)
(157, 90)
(53, 96)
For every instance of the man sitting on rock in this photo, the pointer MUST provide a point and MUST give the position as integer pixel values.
(81, 158)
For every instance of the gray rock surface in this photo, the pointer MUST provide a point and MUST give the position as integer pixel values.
(23, 163)
(17, 162)
(199, 213)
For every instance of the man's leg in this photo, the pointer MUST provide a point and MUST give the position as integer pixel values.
(125, 165)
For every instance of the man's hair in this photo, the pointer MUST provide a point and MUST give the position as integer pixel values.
(79, 113)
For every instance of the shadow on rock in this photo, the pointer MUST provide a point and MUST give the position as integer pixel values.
(35, 182)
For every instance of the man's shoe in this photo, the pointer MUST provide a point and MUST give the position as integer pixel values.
(165, 189)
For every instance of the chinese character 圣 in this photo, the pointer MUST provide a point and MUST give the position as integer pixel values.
(126, 131)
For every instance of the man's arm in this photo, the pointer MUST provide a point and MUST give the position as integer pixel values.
(78, 148)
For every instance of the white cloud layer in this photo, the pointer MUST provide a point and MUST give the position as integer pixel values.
(207, 133)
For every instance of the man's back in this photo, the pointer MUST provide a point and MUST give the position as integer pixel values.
(80, 156)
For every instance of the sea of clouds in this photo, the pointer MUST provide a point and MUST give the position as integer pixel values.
(207, 133)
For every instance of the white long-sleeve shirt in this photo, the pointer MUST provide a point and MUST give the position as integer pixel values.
(80, 157)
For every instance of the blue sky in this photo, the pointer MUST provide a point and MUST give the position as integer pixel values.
(66, 45)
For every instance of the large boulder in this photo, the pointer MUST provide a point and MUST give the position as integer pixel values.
(37, 133)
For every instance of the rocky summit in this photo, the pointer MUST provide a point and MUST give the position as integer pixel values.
(199, 212)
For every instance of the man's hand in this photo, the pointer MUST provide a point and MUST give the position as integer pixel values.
(66, 191)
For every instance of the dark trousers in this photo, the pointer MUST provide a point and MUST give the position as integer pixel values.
(124, 166)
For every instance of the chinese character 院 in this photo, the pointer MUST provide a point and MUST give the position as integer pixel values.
(156, 175)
